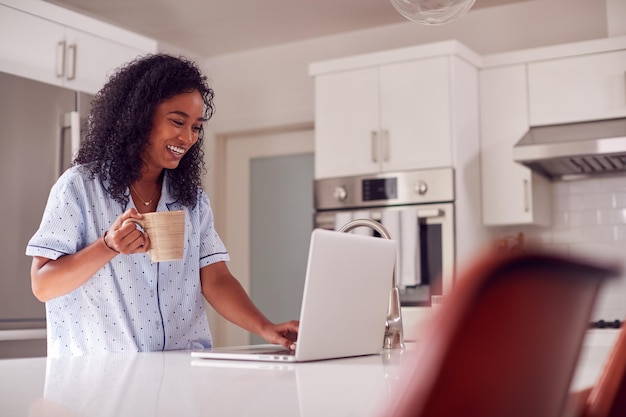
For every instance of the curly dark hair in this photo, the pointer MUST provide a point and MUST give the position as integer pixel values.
(120, 123)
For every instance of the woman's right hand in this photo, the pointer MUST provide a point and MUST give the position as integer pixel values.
(126, 238)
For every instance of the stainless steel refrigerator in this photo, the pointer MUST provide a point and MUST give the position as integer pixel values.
(39, 130)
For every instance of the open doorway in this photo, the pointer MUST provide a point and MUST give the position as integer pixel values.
(265, 196)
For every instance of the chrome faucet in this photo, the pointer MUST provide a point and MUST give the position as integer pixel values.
(394, 337)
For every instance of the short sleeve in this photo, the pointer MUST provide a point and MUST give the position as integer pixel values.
(212, 248)
(62, 230)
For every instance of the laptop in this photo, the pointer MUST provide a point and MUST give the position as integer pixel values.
(344, 305)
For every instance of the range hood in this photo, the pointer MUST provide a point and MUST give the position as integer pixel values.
(574, 150)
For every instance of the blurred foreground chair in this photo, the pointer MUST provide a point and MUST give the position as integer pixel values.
(506, 341)
(607, 398)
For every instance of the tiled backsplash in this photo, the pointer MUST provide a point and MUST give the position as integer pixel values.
(589, 219)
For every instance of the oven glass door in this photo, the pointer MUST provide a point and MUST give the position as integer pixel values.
(425, 236)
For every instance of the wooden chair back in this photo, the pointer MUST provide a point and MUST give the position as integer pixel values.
(507, 339)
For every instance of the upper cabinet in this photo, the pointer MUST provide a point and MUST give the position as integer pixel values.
(578, 88)
(88, 60)
(29, 45)
(38, 44)
(512, 194)
(404, 109)
(391, 111)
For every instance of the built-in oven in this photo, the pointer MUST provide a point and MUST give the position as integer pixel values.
(417, 209)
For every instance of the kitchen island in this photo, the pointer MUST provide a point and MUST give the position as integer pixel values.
(174, 384)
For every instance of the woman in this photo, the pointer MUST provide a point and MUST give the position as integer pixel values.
(142, 153)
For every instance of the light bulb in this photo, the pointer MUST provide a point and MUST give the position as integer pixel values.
(432, 12)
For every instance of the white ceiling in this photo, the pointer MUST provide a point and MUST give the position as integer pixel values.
(214, 27)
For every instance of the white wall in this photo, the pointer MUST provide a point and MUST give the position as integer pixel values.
(271, 86)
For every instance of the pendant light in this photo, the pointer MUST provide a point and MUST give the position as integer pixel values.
(432, 12)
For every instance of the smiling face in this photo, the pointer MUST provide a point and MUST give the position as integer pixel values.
(176, 124)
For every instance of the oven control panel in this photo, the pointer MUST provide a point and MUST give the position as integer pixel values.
(385, 189)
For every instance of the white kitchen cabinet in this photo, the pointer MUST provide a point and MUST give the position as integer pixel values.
(29, 45)
(577, 88)
(388, 117)
(91, 59)
(42, 49)
(512, 194)
(565, 83)
(405, 109)
(346, 123)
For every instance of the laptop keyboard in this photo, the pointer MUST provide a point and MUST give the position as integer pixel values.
(287, 352)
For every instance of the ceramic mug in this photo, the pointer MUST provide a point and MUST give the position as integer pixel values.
(166, 231)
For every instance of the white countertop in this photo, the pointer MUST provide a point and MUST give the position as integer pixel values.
(174, 384)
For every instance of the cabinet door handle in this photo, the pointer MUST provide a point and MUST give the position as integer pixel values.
(526, 196)
(60, 59)
(386, 145)
(429, 213)
(374, 145)
(71, 74)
